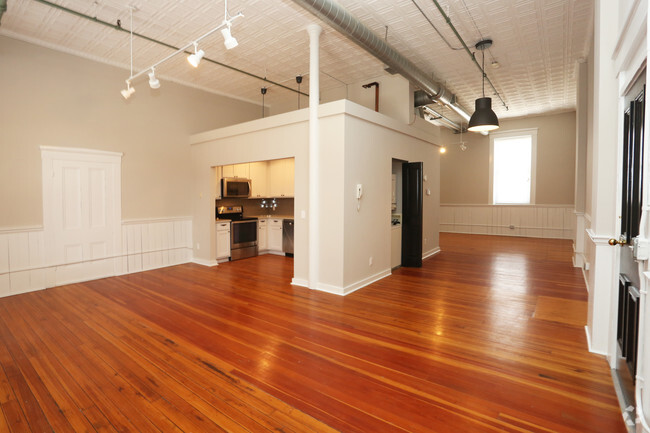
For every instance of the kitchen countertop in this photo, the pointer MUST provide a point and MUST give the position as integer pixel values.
(279, 217)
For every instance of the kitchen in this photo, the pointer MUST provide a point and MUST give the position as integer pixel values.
(254, 209)
(342, 239)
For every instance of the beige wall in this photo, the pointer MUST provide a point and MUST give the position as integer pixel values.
(357, 146)
(395, 100)
(465, 175)
(55, 99)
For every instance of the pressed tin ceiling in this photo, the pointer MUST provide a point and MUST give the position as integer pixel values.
(537, 44)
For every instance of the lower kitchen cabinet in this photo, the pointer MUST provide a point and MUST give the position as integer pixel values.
(262, 235)
(275, 235)
(223, 240)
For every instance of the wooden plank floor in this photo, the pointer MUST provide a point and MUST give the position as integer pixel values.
(483, 338)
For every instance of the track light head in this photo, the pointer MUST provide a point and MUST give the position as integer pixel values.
(154, 83)
(228, 39)
(195, 59)
(126, 93)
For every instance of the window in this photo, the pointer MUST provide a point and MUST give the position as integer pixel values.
(512, 167)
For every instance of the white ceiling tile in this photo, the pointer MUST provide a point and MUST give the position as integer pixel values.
(536, 43)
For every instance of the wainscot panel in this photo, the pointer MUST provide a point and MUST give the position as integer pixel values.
(146, 244)
(533, 221)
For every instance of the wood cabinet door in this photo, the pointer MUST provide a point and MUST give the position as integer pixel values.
(258, 175)
(223, 241)
(262, 236)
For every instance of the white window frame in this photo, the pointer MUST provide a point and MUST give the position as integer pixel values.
(532, 133)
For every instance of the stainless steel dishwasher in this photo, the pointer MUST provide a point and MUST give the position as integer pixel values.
(287, 237)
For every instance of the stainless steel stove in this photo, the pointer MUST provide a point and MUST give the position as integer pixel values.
(243, 232)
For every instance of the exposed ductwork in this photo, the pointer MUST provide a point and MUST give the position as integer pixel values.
(340, 19)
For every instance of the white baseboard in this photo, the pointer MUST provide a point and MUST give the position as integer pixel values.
(430, 253)
(299, 282)
(597, 352)
(342, 291)
(578, 260)
(209, 263)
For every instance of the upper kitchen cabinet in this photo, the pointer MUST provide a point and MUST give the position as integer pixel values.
(236, 170)
(259, 179)
(217, 176)
(281, 177)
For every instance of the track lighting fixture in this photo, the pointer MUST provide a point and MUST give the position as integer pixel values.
(126, 93)
(195, 59)
(228, 39)
(153, 81)
(483, 119)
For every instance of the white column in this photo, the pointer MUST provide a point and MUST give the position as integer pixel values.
(604, 186)
(314, 31)
(580, 190)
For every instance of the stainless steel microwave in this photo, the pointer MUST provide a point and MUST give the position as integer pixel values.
(232, 187)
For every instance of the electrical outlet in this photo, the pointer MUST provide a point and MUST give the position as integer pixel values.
(198, 246)
(511, 227)
(370, 261)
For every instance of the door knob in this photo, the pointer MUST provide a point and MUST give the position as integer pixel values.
(620, 240)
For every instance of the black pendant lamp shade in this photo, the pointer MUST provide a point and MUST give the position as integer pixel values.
(483, 119)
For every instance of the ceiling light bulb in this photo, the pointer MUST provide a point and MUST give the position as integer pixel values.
(154, 83)
(195, 58)
(443, 149)
(126, 93)
(228, 40)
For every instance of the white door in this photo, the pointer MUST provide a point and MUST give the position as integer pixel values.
(81, 213)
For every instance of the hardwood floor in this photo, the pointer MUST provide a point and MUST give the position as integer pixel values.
(488, 336)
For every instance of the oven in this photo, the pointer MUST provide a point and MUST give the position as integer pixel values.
(243, 231)
(243, 239)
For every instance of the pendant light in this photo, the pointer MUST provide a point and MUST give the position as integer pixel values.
(483, 119)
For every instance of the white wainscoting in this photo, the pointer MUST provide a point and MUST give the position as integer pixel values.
(146, 244)
(535, 221)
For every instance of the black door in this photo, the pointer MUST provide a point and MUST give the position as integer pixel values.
(629, 279)
(412, 214)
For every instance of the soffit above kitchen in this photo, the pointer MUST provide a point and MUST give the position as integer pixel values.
(537, 44)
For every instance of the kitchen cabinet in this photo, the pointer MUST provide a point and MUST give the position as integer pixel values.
(228, 171)
(262, 235)
(242, 170)
(217, 179)
(258, 175)
(275, 235)
(236, 170)
(281, 177)
(223, 240)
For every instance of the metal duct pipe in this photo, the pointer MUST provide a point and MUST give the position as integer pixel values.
(340, 19)
(436, 116)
